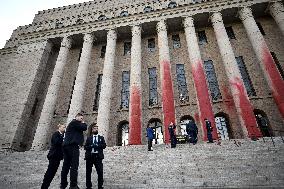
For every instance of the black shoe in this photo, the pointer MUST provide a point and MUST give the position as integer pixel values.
(150, 150)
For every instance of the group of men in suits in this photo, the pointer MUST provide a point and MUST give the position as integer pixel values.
(65, 144)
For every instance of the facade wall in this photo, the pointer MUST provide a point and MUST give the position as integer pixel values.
(26, 70)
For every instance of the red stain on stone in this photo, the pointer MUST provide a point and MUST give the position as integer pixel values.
(196, 117)
(167, 98)
(203, 98)
(228, 99)
(277, 83)
(135, 116)
(245, 108)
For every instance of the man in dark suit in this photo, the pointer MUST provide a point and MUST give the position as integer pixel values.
(94, 156)
(209, 130)
(192, 132)
(55, 155)
(73, 139)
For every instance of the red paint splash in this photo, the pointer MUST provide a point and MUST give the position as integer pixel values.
(196, 117)
(276, 82)
(245, 109)
(167, 98)
(228, 99)
(205, 107)
(135, 117)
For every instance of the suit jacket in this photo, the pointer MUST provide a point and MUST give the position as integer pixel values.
(56, 151)
(208, 126)
(74, 133)
(89, 145)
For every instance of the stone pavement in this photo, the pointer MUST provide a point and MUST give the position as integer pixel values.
(232, 164)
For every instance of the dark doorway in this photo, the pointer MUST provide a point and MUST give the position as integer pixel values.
(122, 133)
(183, 121)
(158, 130)
(263, 123)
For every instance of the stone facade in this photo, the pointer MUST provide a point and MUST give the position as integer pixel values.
(31, 57)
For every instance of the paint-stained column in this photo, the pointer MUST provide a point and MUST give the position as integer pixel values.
(135, 109)
(168, 103)
(238, 90)
(201, 88)
(277, 12)
(267, 64)
(44, 125)
(80, 83)
(106, 87)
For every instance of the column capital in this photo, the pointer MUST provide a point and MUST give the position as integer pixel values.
(245, 13)
(216, 17)
(66, 42)
(161, 26)
(276, 8)
(89, 37)
(188, 22)
(111, 34)
(136, 30)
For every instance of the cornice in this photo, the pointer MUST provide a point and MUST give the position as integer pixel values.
(155, 16)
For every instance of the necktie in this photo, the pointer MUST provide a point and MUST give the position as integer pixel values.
(95, 139)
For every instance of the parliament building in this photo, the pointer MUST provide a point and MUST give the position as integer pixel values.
(128, 64)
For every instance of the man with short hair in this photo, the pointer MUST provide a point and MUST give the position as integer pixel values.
(94, 156)
(73, 139)
(55, 155)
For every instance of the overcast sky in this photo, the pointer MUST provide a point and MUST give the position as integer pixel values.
(14, 13)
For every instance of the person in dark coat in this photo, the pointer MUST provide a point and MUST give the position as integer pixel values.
(209, 130)
(73, 139)
(173, 138)
(94, 156)
(54, 156)
(150, 136)
(192, 132)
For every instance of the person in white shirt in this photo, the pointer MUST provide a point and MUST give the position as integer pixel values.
(94, 156)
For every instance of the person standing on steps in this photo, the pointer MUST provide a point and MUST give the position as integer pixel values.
(94, 156)
(209, 130)
(54, 156)
(150, 136)
(192, 132)
(173, 138)
(73, 139)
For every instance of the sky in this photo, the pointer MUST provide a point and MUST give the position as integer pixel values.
(14, 13)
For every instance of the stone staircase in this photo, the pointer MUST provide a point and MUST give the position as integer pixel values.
(230, 164)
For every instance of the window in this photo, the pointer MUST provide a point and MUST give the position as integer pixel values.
(202, 37)
(245, 76)
(124, 13)
(151, 45)
(98, 91)
(176, 41)
(172, 4)
(277, 63)
(181, 81)
(125, 90)
(71, 95)
(103, 51)
(212, 80)
(147, 9)
(230, 32)
(260, 28)
(127, 48)
(102, 17)
(153, 94)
